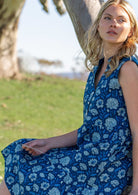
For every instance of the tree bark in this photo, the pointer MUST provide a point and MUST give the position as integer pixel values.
(82, 14)
(10, 11)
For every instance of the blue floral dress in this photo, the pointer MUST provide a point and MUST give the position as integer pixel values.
(100, 164)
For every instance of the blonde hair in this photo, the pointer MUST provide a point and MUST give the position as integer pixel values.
(94, 41)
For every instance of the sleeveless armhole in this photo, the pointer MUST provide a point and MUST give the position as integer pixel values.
(126, 59)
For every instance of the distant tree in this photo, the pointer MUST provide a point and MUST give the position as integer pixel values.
(81, 12)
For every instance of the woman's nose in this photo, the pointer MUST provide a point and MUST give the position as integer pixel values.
(113, 23)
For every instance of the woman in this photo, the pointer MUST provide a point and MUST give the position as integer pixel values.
(96, 159)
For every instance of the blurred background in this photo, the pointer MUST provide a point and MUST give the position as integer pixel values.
(50, 37)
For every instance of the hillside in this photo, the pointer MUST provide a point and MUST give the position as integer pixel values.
(38, 107)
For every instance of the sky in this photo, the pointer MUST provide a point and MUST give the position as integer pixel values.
(50, 36)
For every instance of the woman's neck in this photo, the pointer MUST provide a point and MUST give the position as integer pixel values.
(110, 50)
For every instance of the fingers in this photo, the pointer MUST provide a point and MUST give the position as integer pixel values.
(36, 153)
(31, 150)
(31, 143)
(27, 148)
(36, 147)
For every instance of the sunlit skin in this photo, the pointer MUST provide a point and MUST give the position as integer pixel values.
(114, 26)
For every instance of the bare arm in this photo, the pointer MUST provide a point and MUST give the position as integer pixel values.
(129, 82)
(66, 140)
(40, 146)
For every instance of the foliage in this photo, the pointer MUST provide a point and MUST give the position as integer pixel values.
(38, 107)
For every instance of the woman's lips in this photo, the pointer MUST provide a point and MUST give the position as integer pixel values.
(112, 32)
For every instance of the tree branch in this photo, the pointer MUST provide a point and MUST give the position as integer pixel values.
(82, 14)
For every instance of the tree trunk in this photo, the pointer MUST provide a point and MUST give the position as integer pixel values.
(9, 16)
(82, 14)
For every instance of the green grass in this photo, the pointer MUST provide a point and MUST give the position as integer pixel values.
(38, 107)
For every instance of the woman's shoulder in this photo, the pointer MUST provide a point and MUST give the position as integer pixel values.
(127, 60)
(133, 58)
(129, 69)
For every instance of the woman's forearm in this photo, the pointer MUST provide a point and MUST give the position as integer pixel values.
(41, 146)
(66, 140)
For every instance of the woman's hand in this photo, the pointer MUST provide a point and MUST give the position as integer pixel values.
(37, 147)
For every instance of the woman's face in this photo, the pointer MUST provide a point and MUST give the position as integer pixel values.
(114, 26)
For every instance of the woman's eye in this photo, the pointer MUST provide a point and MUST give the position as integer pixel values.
(121, 20)
(107, 18)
